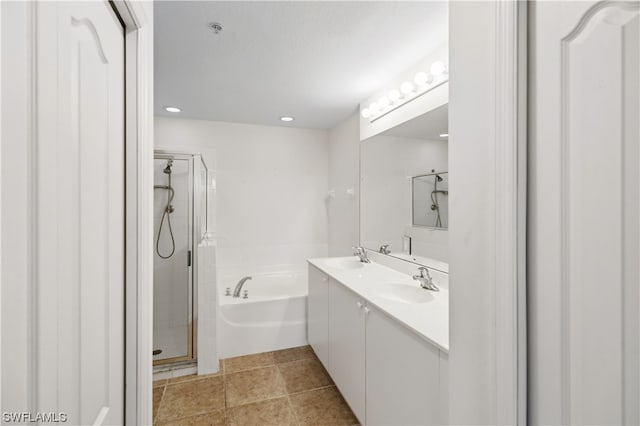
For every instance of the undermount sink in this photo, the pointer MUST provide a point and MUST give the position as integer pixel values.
(404, 293)
(345, 263)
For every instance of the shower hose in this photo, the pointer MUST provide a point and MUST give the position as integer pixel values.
(166, 214)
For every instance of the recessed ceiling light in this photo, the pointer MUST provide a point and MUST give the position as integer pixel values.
(444, 135)
(287, 118)
(172, 109)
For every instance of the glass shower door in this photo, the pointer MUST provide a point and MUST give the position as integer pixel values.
(173, 278)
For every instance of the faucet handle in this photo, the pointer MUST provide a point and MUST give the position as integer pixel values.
(356, 250)
(424, 272)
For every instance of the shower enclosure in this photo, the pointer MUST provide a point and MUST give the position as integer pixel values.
(180, 222)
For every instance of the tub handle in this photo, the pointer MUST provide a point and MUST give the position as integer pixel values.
(227, 292)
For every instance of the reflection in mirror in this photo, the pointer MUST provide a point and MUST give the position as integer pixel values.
(404, 193)
(430, 195)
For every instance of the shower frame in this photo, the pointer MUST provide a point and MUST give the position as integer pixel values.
(195, 203)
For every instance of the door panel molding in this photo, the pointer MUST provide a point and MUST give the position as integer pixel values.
(94, 33)
(579, 398)
(585, 207)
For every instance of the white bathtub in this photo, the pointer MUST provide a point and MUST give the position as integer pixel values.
(273, 317)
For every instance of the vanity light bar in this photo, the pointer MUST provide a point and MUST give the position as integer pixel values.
(409, 90)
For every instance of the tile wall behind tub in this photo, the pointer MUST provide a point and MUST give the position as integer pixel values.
(270, 191)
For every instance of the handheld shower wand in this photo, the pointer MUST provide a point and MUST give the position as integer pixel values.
(167, 212)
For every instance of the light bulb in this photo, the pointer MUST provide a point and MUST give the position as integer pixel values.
(406, 87)
(394, 95)
(172, 109)
(287, 118)
(383, 102)
(374, 107)
(421, 78)
(366, 113)
(438, 68)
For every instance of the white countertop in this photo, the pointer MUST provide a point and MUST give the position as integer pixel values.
(430, 319)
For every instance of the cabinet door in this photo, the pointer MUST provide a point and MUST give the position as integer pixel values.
(318, 314)
(402, 375)
(346, 346)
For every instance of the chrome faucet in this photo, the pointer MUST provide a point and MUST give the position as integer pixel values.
(362, 254)
(425, 279)
(238, 289)
(384, 249)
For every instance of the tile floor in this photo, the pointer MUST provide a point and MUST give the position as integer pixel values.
(288, 387)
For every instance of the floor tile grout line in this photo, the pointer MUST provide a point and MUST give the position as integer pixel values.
(293, 411)
(249, 369)
(286, 394)
(271, 398)
(204, 413)
(275, 362)
(314, 389)
(225, 373)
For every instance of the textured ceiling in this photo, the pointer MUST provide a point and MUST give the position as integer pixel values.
(315, 60)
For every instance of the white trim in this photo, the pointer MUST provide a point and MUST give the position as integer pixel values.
(18, 264)
(487, 113)
(139, 214)
(510, 217)
(0, 207)
(522, 135)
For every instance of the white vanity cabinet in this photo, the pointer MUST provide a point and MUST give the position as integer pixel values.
(347, 346)
(318, 314)
(402, 375)
(389, 373)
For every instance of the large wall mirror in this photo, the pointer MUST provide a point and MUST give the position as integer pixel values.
(404, 189)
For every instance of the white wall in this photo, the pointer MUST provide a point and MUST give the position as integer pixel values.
(344, 173)
(270, 189)
(472, 357)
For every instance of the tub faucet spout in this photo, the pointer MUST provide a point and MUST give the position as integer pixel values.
(238, 289)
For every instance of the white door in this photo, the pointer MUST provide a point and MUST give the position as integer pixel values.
(584, 217)
(80, 223)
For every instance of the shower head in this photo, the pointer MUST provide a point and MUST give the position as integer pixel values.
(439, 178)
(167, 170)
